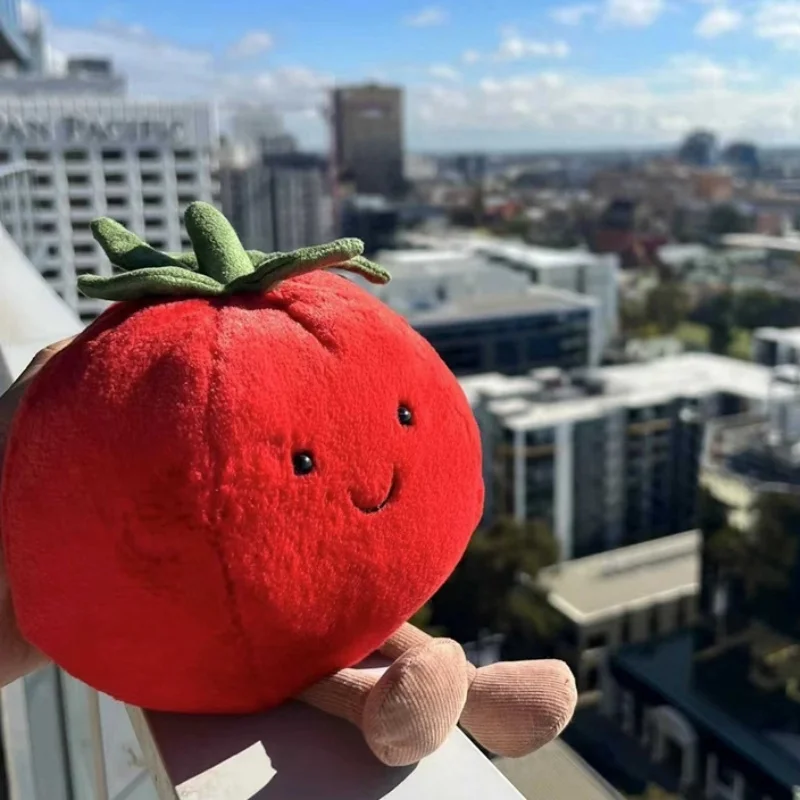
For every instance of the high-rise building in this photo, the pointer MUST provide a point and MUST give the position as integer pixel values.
(140, 163)
(611, 457)
(276, 198)
(13, 44)
(718, 707)
(699, 149)
(368, 138)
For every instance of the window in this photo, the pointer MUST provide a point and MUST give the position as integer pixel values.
(186, 244)
(83, 248)
(75, 155)
(152, 200)
(44, 227)
(149, 155)
(151, 178)
(81, 227)
(185, 199)
(42, 204)
(52, 250)
(115, 180)
(42, 180)
(184, 155)
(80, 202)
(159, 244)
(597, 639)
(117, 202)
(154, 222)
(625, 629)
(37, 155)
(50, 274)
(186, 177)
(78, 180)
(591, 679)
(113, 155)
(4, 157)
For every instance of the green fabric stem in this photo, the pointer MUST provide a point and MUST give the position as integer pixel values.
(218, 266)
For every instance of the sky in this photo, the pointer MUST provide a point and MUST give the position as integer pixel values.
(490, 75)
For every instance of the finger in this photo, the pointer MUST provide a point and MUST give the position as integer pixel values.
(40, 359)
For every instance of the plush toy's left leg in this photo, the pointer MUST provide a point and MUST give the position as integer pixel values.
(407, 712)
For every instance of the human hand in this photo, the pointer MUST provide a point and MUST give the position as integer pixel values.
(17, 657)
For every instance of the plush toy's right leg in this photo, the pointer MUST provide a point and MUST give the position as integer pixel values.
(407, 712)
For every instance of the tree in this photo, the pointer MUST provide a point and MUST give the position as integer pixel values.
(725, 219)
(485, 592)
(667, 305)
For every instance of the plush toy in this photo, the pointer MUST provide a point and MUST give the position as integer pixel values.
(241, 481)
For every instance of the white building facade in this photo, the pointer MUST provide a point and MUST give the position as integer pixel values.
(88, 156)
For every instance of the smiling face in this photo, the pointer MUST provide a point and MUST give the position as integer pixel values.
(242, 497)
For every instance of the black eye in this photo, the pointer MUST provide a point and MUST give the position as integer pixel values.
(404, 415)
(303, 463)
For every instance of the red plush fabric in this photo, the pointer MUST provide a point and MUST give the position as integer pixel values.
(159, 544)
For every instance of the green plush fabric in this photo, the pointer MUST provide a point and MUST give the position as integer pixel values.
(218, 266)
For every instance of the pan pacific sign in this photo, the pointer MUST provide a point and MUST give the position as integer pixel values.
(88, 130)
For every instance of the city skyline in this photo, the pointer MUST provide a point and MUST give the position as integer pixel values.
(498, 77)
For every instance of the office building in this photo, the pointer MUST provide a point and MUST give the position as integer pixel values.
(140, 163)
(609, 457)
(368, 139)
(372, 218)
(595, 276)
(718, 708)
(276, 198)
(480, 320)
(510, 333)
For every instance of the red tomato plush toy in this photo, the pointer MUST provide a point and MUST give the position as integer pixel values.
(239, 482)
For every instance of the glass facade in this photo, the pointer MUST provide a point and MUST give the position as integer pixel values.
(513, 345)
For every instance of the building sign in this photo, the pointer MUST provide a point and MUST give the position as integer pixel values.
(88, 130)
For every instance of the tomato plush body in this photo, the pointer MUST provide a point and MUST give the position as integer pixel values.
(208, 504)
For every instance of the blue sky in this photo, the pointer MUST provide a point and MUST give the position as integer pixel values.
(489, 75)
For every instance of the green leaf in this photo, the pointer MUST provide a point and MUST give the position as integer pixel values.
(127, 251)
(150, 282)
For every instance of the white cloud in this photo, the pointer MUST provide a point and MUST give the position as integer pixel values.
(718, 21)
(253, 43)
(470, 56)
(160, 69)
(778, 21)
(704, 71)
(427, 17)
(572, 15)
(571, 109)
(514, 46)
(444, 72)
(633, 13)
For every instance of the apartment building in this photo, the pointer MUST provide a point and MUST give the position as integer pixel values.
(609, 457)
(632, 594)
(718, 708)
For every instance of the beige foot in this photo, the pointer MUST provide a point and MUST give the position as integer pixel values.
(417, 702)
(515, 707)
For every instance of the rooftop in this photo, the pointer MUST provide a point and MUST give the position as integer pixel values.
(473, 308)
(627, 385)
(790, 336)
(556, 772)
(589, 589)
(521, 254)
